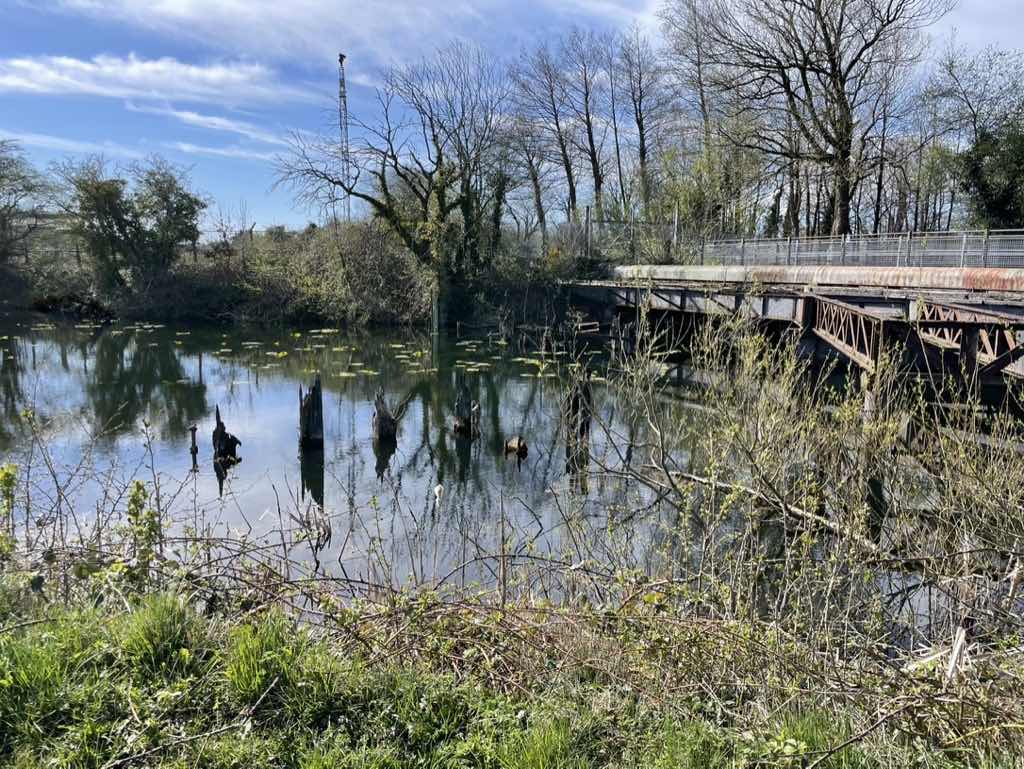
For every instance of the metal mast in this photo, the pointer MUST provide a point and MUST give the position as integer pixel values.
(346, 157)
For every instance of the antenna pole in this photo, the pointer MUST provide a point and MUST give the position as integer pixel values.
(346, 157)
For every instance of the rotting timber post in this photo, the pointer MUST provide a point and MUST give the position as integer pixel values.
(311, 416)
(194, 450)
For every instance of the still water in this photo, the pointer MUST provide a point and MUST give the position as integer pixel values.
(116, 402)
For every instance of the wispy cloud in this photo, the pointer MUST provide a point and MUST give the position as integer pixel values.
(235, 152)
(311, 32)
(62, 144)
(212, 123)
(132, 77)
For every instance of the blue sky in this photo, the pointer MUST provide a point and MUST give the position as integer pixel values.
(217, 85)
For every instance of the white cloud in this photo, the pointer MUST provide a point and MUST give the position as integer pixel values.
(237, 153)
(212, 123)
(617, 13)
(132, 77)
(311, 32)
(62, 144)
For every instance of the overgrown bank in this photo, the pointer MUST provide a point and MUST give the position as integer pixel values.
(128, 242)
(355, 275)
(151, 682)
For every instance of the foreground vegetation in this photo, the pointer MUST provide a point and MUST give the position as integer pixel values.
(819, 573)
(149, 681)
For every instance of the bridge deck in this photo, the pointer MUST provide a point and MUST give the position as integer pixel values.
(1008, 281)
(969, 321)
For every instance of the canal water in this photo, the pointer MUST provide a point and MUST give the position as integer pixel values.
(87, 408)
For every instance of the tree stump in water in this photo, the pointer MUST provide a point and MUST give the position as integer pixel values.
(385, 425)
(225, 445)
(579, 406)
(311, 474)
(517, 445)
(383, 450)
(467, 414)
(311, 416)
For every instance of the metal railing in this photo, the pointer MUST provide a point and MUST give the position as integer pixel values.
(972, 248)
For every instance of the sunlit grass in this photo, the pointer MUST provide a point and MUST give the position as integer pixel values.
(86, 688)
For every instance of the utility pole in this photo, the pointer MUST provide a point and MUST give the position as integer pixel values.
(346, 158)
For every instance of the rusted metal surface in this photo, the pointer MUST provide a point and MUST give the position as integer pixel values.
(926, 278)
(856, 332)
(988, 338)
(968, 322)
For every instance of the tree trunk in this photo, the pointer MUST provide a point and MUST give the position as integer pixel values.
(570, 177)
(841, 199)
(538, 204)
(645, 182)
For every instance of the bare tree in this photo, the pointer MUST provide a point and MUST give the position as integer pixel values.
(687, 31)
(528, 143)
(586, 96)
(541, 93)
(22, 194)
(433, 151)
(612, 48)
(649, 101)
(983, 87)
(824, 66)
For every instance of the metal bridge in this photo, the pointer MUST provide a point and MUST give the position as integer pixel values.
(959, 324)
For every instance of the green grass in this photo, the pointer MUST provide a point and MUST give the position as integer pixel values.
(85, 688)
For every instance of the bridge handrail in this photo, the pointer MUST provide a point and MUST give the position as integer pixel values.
(961, 248)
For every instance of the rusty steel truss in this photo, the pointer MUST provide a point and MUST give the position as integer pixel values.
(856, 332)
(986, 340)
(959, 325)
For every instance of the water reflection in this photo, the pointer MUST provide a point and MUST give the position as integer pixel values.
(311, 468)
(138, 374)
(127, 396)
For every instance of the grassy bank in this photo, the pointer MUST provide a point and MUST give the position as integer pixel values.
(154, 683)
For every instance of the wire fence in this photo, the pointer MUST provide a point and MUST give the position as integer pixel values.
(660, 242)
(969, 248)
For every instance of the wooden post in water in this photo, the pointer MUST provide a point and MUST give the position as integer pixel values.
(311, 416)
(195, 449)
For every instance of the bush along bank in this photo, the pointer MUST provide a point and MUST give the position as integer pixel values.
(358, 275)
